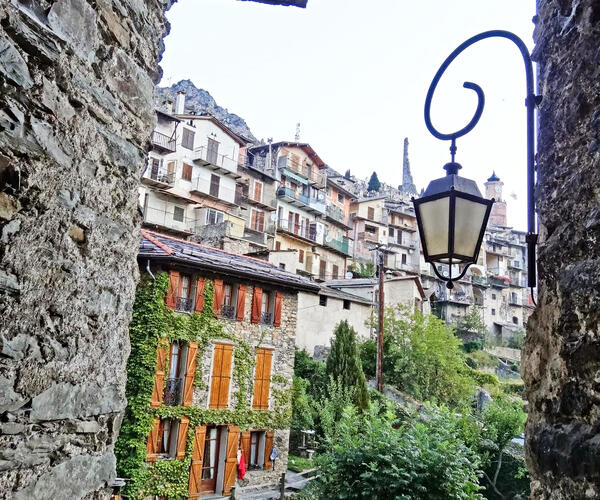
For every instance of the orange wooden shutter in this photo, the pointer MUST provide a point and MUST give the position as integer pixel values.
(253, 218)
(245, 439)
(218, 297)
(190, 373)
(256, 305)
(262, 379)
(221, 375)
(266, 385)
(261, 221)
(268, 449)
(278, 303)
(171, 297)
(159, 376)
(241, 302)
(233, 436)
(257, 191)
(200, 286)
(182, 437)
(196, 465)
(152, 444)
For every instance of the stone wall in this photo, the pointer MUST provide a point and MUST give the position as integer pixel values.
(562, 356)
(76, 85)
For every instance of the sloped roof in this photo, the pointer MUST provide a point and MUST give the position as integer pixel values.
(242, 141)
(307, 148)
(339, 294)
(362, 282)
(159, 246)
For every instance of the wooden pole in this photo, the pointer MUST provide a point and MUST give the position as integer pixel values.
(380, 335)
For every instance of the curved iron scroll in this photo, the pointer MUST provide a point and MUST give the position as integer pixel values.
(531, 101)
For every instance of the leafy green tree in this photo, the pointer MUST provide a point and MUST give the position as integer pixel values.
(313, 372)
(372, 455)
(343, 364)
(329, 409)
(362, 270)
(301, 410)
(374, 184)
(422, 357)
(517, 340)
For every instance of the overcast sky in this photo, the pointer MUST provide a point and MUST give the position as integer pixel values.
(354, 74)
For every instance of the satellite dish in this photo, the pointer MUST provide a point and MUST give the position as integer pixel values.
(328, 239)
(349, 275)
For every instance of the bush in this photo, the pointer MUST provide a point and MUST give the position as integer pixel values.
(371, 458)
(299, 464)
(483, 360)
(313, 371)
(513, 387)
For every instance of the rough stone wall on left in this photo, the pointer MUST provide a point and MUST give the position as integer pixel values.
(76, 85)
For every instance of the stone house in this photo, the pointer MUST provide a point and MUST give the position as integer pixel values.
(219, 381)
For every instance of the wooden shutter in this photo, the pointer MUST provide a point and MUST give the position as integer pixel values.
(218, 296)
(221, 376)
(186, 172)
(253, 219)
(258, 191)
(256, 305)
(245, 440)
(241, 302)
(261, 221)
(233, 436)
(159, 375)
(190, 373)
(182, 437)
(171, 297)
(200, 287)
(196, 465)
(152, 444)
(370, 213)
(277, 312)
(268, 449)
(262, 379)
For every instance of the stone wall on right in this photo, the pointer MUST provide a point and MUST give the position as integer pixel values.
(561, 360)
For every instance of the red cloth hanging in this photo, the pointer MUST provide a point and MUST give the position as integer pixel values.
(241, 466)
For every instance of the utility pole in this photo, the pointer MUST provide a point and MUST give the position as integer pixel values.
(380, 335)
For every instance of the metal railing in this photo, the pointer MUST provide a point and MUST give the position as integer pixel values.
(338, 214)
(312, 174)
(257, 162)
(266, 318)
(286, 192)
(339, 245)
(479, 280)
(163, 141)
(228, 311)
(160, 174)
(173, 391)
(298, 229)
(165, 217)
(365, 235)
(184, 304)
(218, 160)
(220, 191)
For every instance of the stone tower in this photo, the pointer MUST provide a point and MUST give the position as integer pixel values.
(493, 189)
(408, 186)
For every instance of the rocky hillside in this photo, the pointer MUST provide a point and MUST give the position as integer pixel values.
(199, 100)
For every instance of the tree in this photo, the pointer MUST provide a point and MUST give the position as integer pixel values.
(374, 184)
(343, 364)
(347, 174)
(472, 330)
(312, 371)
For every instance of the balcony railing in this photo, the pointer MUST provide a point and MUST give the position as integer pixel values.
(289, 194)
(365, 235)
(479, 280)
(339, 245)
(166, 218)
(173, 391)
(256, 162)
(184, 304)
(203, 155)
(160, 176)
(314, 175)
(163, 141)
(300, 230)
(228, 311)
(498, 281)
(266, 318)
(336, 213)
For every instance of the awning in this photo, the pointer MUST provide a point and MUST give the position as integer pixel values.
(296, 177)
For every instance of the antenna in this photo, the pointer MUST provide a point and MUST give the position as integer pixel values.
(297, 138)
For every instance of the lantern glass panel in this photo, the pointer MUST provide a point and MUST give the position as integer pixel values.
(468, 222)
(434, 219)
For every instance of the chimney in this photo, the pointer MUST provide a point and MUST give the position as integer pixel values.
(180, 102)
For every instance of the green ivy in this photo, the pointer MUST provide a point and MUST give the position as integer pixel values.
(151, 321)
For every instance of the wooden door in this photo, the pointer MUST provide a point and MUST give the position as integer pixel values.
(212, 443)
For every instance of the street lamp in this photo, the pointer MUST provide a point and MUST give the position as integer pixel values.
(452, 215)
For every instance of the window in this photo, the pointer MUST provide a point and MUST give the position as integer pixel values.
(214, 217)
(493, 312)
(404, 258)
(301, 256)
(254, 459)
(340, 198)
(370, 229)
(265, 308)
(346, 304)
(322, 269)
(178, 214)
(228, 307)
(173, 390)
(212, 151)
(257, 220)
(370, 213)
(334, 272)
(187, 140)
(167, 438)
(515, 320)
(281, 265)
(215, 182)
(322, 300)
(262, 379)
(391, 232)
(257, 194)
(493, 296)
(221, 376)
(278, 245)
(184, 301)
(186, 172)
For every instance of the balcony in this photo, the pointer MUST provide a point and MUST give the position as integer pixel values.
(163, 142)
(263, 202)
(258, 163)
(403, 242)
(166, 219)
(227, 311)
(172, 394)
(312, 174)
(184, 304)
(367, 236)
(299, 230)
(456, 298)
(221, 164)
(515, 264)
(215, 190)
(499, 281)
(338, 245)
(337, 214)
(298, 199)
(158, 176)
(478, 280)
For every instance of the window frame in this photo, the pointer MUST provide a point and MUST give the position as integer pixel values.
(188, 138)
(323, 300)
(175, 208)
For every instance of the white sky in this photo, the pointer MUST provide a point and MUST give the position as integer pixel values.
(355, 73)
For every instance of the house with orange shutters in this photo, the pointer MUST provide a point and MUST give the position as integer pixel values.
(210, 371)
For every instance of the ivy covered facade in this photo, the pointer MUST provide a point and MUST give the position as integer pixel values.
(210, 371)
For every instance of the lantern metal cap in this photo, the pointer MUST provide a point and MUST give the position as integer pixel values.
(452, 182)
